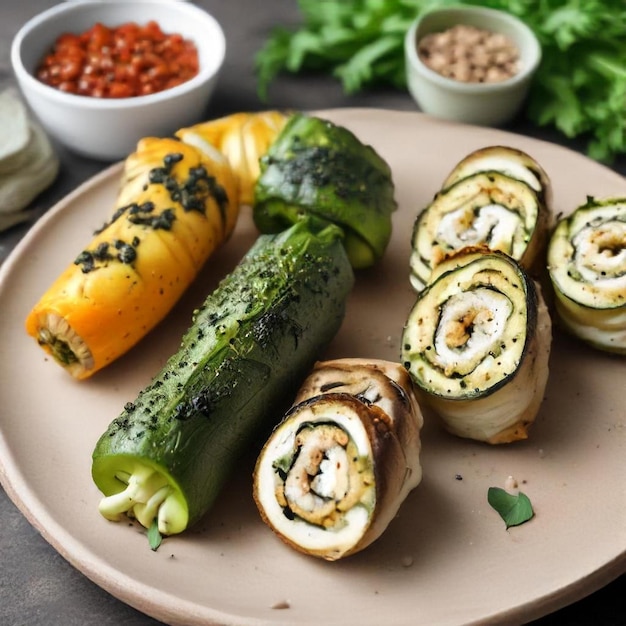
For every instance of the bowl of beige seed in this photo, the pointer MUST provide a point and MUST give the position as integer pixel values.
(470, 64)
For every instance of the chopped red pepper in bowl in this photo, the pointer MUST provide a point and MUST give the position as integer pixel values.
(119, 62)
(99, 76)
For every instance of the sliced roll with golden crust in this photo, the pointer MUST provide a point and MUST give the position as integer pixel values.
(477, 345)
(336, 470)
(175, 207)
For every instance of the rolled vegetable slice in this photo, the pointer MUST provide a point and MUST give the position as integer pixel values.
(587, 266)
(317, 168)
(486, 208)
(334, 473)
(244, 138)
(506, 160)
(477, 345)
(175, 207)
(167, 455)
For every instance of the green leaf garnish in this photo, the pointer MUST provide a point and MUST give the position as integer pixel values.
(579, 88)
(154, 536)
(513, 509)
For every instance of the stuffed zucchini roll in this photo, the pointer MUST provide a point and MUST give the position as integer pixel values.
(244, 138)
(484, 208)
(335, 471)
(477, 345)
(176, 205)
(164, 459)
(587, 266)
(317, 168)
(506, 160)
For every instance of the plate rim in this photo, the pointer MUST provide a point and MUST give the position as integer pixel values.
(110, 578)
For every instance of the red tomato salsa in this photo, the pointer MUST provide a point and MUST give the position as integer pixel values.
(120, 62)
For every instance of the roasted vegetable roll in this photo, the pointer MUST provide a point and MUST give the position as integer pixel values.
(506, 160)
(477, 344)
(487, 208)
(164, 459)
(587, 266)
(176, 205)
(317, 168)
(334, 473)
(244, 138)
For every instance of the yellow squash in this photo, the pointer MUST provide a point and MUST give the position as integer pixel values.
(176, 205)
(244, 138)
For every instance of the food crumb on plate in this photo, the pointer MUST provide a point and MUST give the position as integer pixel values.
(282, 604)
(510, 484)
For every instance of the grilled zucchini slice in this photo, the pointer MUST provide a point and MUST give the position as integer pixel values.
(477, 344)
(485, 208)
(587, 266)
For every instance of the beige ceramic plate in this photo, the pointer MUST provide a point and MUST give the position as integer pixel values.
(447, 558)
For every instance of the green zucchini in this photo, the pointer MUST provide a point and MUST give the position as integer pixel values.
(168, 453)
(477, 345)
(316, 168)
(507, 160)
(485, 208)
(587, 266)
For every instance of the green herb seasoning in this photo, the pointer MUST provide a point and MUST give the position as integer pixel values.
(191, 194)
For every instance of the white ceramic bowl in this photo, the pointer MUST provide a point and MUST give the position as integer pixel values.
(105, 128)
(485, 104)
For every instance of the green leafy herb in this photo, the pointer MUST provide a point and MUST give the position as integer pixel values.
(154, 536)
(580, 87)
(513, 509)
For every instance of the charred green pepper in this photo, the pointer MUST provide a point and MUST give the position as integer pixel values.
(318, 169)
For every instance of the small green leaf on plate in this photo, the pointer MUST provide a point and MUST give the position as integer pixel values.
(513, 509)
(154, 536)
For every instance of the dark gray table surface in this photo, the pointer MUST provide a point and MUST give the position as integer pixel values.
(37, 586)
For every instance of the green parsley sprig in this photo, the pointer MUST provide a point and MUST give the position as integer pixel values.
(580, 87)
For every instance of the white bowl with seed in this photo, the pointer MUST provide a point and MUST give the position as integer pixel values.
(470, 64)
